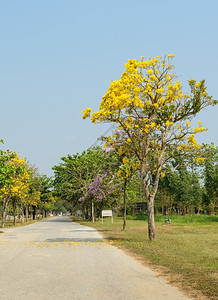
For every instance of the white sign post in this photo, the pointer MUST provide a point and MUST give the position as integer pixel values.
(107, 213)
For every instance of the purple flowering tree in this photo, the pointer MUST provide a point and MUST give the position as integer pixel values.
(101, 191)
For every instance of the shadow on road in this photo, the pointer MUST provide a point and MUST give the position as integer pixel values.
(74, 240)
(57, 220)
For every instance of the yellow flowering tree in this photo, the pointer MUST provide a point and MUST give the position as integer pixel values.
(15, 186)
(19, 190)
(149, 105)
(127, 163)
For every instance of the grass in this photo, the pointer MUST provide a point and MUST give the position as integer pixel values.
(185, 251)
(9, 224)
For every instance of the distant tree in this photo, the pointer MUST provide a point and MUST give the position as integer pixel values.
(126, 164)
(101, 191)
(73, 175)
(13, 174)
(47, 199)
(210, 196)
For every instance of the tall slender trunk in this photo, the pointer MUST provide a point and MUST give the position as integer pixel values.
(150, 203)
(93, 213)
(22, 211)
(4, 209)
(124, 204)
(3, 217)
(27, 212)
(151, 226)
(14, 210)
(34, 212)
(86, 213)
(22, 216)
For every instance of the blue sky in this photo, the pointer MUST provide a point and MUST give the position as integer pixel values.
(58, 57)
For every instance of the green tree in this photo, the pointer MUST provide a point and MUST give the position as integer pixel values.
(47, 199)
(210, 196)
(74, 173)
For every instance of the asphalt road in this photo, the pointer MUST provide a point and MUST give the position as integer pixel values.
(58, 259)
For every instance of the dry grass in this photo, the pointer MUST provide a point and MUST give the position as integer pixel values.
(186, 253)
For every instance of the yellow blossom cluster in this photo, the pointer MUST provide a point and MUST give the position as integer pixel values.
(200, 160)
(86, 112)
(123, 173)
(145, 86)
(19, 179)
(148, 104)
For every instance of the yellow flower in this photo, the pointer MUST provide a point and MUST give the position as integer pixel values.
(128, 173)
(150, 71)
(160, 90)
(119, 173)
(171, 55)
(86, 113)
(121, 150)
(167, 123)
(153, 77)
(125, 160)
(200, 160)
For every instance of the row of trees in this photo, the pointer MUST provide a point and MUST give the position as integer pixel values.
(190, 189)
(22, 189)
(101, 178)
(86, 182)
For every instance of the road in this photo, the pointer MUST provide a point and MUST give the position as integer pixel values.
(58, 259)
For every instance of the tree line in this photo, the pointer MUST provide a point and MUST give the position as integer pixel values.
(100, 179)
(23, 191)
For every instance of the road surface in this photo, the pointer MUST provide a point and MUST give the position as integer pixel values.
(58, 259)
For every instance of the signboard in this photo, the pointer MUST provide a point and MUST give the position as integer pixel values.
(107, 213)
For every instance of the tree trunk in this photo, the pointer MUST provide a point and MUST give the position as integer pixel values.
(86, 213)
(124, 203)
(14, 211)
(151, 226)
(93, 213)
(34, 212)
(150, 203)
(3, 216)
(27, 213)
(22, 211)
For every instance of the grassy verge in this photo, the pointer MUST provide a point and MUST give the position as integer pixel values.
(9, 224)
(185, 251)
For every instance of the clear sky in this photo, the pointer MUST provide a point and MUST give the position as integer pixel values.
(58, 57)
